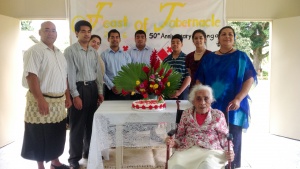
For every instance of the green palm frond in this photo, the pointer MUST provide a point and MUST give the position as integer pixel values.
(129, 74)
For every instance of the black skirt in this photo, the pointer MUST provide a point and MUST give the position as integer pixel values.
(44, 142)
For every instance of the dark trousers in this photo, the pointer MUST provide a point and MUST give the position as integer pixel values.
(81, 122)
(236, 132)
(110, 95)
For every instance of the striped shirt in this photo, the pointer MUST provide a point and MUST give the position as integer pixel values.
(83, 66)
(178, 64)
(140, 56)
(113, 62)
(49, 66)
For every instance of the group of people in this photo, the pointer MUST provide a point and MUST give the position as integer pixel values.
(80, 80)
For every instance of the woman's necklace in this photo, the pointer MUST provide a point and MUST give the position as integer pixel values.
(226, 52)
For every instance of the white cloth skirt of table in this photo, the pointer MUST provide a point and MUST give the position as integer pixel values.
(114, 121)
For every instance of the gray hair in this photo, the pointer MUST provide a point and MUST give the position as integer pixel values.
(199, 87)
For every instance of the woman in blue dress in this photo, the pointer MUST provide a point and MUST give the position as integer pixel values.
(231, 74)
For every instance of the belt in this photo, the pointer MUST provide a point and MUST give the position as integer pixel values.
(85, 83)
(53, 97)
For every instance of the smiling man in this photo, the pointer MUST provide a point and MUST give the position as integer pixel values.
(114, 58)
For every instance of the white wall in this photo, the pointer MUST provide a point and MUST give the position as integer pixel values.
(11, 60)
(285, 81)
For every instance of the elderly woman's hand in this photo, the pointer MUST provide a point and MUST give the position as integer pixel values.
(229, 155)
(171, 142)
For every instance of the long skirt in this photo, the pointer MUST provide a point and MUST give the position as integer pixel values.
(44, 142)
(197, 158)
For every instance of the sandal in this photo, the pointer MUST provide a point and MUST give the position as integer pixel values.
(62, 166)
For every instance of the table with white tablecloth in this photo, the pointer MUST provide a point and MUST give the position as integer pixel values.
(116, 124)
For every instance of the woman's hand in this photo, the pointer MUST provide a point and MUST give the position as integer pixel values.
(229, 155)
(234, 104)
(170, 142)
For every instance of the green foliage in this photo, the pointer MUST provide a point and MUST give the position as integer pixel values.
(26, 26)
(129, 74)
(252, 38)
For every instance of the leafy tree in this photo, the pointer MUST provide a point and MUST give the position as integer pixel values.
(26, 26)
(253, 38)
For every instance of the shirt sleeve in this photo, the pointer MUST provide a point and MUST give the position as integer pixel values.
(31, 62)
(107, 81)
(99, 79)
(181, 128)
(71, 72)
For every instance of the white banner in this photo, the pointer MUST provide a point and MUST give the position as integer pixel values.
(160, 19)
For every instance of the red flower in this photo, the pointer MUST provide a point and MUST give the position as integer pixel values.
(124, 92)
(161, 71)
(146, 69)
(168, 73)
(145, 95)
(164, 80)
(153, 58)
(156, 65)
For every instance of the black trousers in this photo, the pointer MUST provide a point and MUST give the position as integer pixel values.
(110, 95)
(81, 122)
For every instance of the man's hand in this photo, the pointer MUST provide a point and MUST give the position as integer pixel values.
(114, 89)
(68, 102)
(43, 106)
(100, 99)
(77, 102)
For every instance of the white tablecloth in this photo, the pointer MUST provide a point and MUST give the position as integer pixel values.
(116, 124)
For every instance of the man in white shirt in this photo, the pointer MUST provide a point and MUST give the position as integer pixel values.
(45, 75)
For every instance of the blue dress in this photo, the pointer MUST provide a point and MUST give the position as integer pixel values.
(226, 75)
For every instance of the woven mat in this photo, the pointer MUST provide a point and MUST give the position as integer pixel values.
(138, 158)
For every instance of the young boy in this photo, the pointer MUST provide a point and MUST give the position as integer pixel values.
(177, 60)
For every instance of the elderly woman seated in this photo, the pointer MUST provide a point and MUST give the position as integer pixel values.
(201, 139)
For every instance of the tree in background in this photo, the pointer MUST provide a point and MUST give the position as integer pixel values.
(253, 38)
(26, 26)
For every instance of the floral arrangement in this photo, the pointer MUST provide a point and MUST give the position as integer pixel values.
(155, 79)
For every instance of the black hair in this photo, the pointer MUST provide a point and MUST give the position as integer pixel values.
(225, 27)
(82, 23)
(177, 36)
(140, 32)
(199, 31)
(96, 36)
(113, 31)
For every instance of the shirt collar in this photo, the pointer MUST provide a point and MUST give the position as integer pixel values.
(145, 48)
(46, 47)
(81, 48)
(110, 50)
